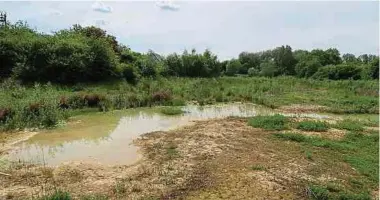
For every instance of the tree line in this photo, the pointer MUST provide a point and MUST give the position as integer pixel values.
(90, 54)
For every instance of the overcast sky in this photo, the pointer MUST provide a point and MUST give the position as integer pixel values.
(225, 27)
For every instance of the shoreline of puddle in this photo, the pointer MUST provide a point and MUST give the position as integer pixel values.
(107, 138)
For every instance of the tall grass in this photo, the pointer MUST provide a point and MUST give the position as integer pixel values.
(340, 96)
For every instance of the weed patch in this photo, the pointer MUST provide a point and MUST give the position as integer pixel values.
(275, 122)
(350, 125)
(328, 193)
(257, 168)
(171, 111)
(317, 126)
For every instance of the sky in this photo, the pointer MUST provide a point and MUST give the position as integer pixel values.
(225, 27)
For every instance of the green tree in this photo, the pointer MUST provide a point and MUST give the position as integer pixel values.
(269, 69)
(307, 66)
(284, 60)
(233, 67)
(349, 58)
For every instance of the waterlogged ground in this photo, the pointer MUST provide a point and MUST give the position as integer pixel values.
(107, 137)
(201, 154)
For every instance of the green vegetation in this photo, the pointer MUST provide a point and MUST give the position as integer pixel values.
(309, 155)
(357, 149)
(328, 192)
(57, 195)
(350, 125)
(57, 102)
(258, 168)
(317, 126)
(275, 122)
(46, 77)
(171, 111)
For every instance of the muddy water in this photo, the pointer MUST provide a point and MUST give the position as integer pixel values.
(107, 138)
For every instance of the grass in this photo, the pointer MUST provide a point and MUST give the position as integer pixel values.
(57, 195)
(317, 126)
(171, 111)
(171, 151)
(359, 150)
(328, 192)
(275, 122)
(309, 155)
(344, 96)
(350, 125)
(258, 168)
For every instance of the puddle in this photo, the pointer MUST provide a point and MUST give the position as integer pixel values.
(107, 137)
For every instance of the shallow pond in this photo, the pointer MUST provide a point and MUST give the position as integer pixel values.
(107, 137)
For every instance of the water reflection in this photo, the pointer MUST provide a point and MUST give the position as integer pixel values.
(107, 138)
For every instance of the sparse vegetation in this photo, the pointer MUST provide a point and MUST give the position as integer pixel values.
(171, 111)
(258, 168)
(357, 149)
(275, 122)
(317, 126)
(350, 125)
(329, 193)
(57, 195)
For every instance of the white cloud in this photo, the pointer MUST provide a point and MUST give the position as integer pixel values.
(101, 7)
(167, 5)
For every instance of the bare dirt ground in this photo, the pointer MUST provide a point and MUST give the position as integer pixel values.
(216, 159)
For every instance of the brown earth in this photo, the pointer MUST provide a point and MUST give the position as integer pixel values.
(216, 159)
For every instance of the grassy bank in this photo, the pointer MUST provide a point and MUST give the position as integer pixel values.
(46, 105)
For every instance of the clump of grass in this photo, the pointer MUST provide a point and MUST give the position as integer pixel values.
(350, 125)
(258, 168)
(292, 137)
(317, 126)
(57, 195)
(274, 122)
(171, 111)
(309, 155)
(171, 151)
(328, 192)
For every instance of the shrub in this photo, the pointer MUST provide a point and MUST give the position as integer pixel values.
(129, 73)
(161, 96)
(92, 100)
(312, 126)
(275, 122)
(5, 114)
(253, 72)
(307, 67)
(336, 72)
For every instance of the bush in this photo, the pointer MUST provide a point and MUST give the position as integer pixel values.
(161, 96)
(129, 73)
(233, 67)
(275, 122)
(336, 72)
(312, 126)
(307, 67)
(253, 72)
